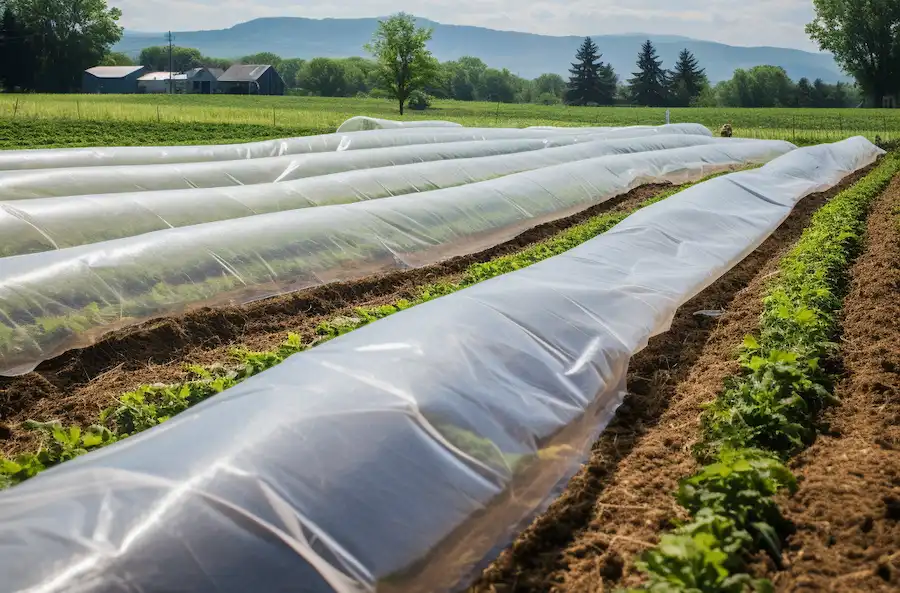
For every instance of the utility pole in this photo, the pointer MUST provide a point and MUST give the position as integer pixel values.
(171, 90)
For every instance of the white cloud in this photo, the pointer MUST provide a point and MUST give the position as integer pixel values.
(737, 22)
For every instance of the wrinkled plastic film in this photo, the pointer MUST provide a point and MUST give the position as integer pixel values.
(83, 292)
(34, 225)
(52, 158)
(28, 184)
(361, 122)
(394, 458)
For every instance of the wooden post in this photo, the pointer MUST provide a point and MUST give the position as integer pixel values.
(78, 108)
(273, 117)
(794, 127)
(16, 108)
(158, 118)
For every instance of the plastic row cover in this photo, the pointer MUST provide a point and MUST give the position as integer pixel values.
(29, 226)
(56, 300)
(17, 185)
(11, 160)
(361, 122)
(395, 457)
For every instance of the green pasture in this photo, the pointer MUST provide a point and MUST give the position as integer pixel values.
(28, 121)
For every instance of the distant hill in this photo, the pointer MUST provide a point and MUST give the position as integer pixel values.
(525, 54)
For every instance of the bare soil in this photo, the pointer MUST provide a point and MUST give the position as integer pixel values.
(847, 511)
(620, 501)
(75, 386)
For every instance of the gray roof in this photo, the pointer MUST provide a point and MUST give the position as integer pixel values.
(244, 73)
(113, 71)
(217, 72)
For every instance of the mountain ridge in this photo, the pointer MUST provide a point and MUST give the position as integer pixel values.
(526, 54)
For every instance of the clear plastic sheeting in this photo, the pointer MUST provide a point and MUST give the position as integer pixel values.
(81, 292)
(45, 183)
(362, 122)
(397, 457)
(30, 226)
(54, 158)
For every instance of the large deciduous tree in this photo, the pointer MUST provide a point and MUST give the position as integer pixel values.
(648, 87)
(61, 38)
(401, 52)
(863, 36)
(156, 58)
(590, 81)
(687, 80)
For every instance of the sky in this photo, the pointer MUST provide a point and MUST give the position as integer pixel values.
(736, 22)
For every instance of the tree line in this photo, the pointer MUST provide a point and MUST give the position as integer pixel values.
(45, 45)
(591, 81)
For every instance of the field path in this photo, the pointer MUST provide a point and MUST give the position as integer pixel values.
(847, 511)
(620, 501)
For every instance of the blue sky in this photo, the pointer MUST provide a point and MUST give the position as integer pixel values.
(737, 22)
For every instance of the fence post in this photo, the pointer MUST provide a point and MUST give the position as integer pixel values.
(16, 108)
(78, 108)
(841, 123)
(273, 117)
(158, 119)
(794, 128)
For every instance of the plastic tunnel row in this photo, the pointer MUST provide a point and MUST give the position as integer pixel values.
(396, 457)
(28, 226)
(12, 160)
(57, 300)
(26, 184)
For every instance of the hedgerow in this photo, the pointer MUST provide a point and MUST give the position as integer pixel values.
(767, 411)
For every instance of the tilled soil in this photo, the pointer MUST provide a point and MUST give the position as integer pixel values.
(620, 501)
(847, 511)
(79, 383)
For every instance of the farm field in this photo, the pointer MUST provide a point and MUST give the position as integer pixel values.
(496, 278)
(80, 120)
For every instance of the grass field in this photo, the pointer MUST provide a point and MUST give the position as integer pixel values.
(28, 121)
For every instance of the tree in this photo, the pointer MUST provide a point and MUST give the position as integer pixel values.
(549, 84)
(687, 80)
(266, 58)
(156, 58)
(760, 86)
(498, 86)
(324, 77)
(591, 80)
(115, 58)
(648, 87)
(804, 93)
(862, 36)
(404, 62)
(290, 71)
(63, 38)
(17, 59)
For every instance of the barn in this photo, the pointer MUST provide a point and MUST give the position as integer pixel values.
(251, 79)
(112, 79)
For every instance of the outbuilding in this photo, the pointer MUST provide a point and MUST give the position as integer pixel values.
(162, 82)
(112, 79)
(251, 79)
(202, 81)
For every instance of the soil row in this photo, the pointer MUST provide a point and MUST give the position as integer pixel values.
(847, 510)
(76, 385)
(620, 501)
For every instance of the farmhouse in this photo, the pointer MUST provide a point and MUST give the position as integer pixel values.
(251, 79)
(112, 79)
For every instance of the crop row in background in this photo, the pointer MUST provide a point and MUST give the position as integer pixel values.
(259, 117)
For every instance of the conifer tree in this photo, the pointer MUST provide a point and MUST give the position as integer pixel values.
(591, 80)
(687, 80)
(649, 87)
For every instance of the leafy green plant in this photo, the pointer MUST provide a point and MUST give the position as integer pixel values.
(768, 409)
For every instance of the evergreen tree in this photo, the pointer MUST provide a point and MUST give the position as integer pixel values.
(687, 80)
(591, 80)
(650, 83)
